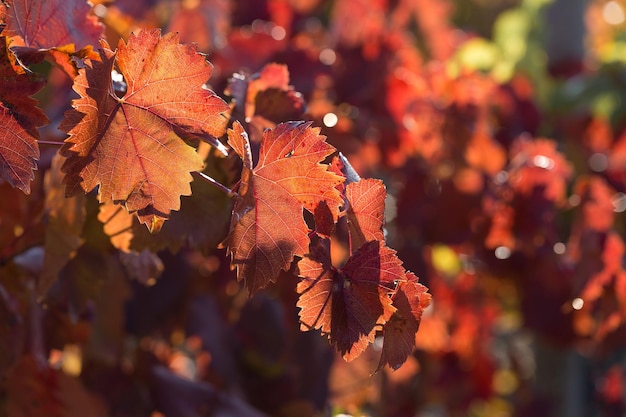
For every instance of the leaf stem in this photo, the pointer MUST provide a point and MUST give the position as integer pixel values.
(219, 185)
(49, 142)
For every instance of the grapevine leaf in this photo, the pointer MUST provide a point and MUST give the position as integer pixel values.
(133, 147)
(399, 332)
(64, 30)
(267, 226)
(366, 211)
(324, 219)
(270, 95)
(349, 303)
(19, 119)
(52, 23)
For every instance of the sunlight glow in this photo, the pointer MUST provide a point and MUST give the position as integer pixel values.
(577, 303)
(619, 202)
(100, 10)
(328, 56)
(502, 252)
(330, 120)
(278, 33)
(613, 13)
(598, 162)
(544, 162)
(574, 200)
(559, 248)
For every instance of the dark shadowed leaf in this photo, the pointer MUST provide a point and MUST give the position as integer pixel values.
(349, 303)
(399, 332)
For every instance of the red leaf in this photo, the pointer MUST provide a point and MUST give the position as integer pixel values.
(133, 147)
(366, 212)
(267, 226)
(349, 303)
(19, 119)
(51, 23)
(265, 98)
(399, 332)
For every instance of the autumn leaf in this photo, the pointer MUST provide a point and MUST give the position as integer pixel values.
(52, 23)
(366, 211)
(399, 332)
(19, 119)
(273, 77)
(325, 222)
(267, 226)
(133, 148)
(349, 303)
(58, 27)
(264, 99)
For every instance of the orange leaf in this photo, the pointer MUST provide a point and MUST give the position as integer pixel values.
(267, 226)
(133, 147)
(366, 212)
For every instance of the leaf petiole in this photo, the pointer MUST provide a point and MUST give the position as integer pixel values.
(50, 142)
(219, 185)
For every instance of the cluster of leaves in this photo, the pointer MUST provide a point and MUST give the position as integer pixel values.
(143, 122)
(194, 185)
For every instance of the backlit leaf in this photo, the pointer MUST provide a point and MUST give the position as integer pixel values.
(399, 332)
(51, 23)
(267, 226)
(349, 303)
(366, 212)
(133, 148)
